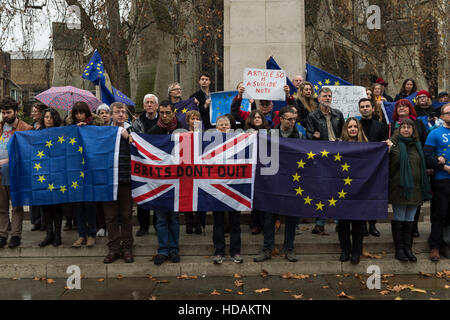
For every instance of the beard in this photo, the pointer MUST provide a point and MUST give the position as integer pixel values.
(9, 120)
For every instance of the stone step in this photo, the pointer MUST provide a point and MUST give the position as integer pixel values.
(202, 245)
(200, 266)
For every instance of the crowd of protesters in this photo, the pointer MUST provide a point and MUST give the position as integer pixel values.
(419, 170)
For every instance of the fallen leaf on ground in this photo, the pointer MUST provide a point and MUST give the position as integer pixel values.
(446, 286)
(344, 295)
(298, 296)
(417, 290)
(264, 273)
(305, 229)
(215, 293)
(367, 254)
(100, 280)
(339, 276)
(384, 292)
(287, 291)
(275, 252)
(325, 287)
(36, 279)
(346, 275)
(425, 274)
(228, 290)
(152, 298)
(300, 276)
(398, 298)
(240, 293)
(400, 287)
(14, 278)
(262, 290)
(340, 283)
(149, 276)
(50, 281)
(237, 275)
(66, 288)
(193, 277)
(162, 281)
(119, 277)
(239, 283)
(389, 275)
(434, 299)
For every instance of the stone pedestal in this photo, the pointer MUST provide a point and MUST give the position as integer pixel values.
(257, 29)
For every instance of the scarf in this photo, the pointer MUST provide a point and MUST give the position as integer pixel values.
(167, 127)
(406, 179)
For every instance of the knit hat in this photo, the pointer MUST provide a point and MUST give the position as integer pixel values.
(425, 92)
(381, 81)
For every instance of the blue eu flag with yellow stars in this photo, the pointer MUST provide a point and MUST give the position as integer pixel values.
(66, 164)
(120, 97)
(320, 78)
(182, 107)
(323, 179)
(221, 104)
(94, 71)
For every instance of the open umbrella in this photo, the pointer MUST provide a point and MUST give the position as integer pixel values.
(64, 98)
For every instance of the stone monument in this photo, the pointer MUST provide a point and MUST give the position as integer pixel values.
(257, 29)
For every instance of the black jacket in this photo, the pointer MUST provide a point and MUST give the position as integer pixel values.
(316, 122)
(143, 124)
(157, 130)
(374, 130)
(204, 112)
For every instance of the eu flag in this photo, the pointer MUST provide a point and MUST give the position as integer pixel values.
(120, 97)
(65, 164)
(94, 71)
(221, 104)
(272, 64)
(182, 107)
(323, 179)
(320, 78)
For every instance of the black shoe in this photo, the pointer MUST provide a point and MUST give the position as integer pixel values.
(189, 229)
(397, 235)
(14, 242)
(355, 259)
(408, 228)
(373, 231)
(198, 230)
(68, 226)
(57, 239)
(345, 256)
(159, 259)
(141, 232)
(365, 232)
(174, 257)
(2, 242)
(36, 227)
(111, 257)
(48, 239)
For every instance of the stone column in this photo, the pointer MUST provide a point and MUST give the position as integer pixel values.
(257, 29)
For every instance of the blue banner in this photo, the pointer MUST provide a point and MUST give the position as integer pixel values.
(221, 104)
(320, 78)
(65, 164)
(182, 107)
(94, 71)
(273, 65)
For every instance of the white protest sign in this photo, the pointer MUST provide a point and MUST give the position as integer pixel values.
(264, 84)
(345, 99)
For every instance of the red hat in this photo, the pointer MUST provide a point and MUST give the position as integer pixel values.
(425, 92)
(381, 81)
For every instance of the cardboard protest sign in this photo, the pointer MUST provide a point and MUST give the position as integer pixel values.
(264, 84)
(345, 99)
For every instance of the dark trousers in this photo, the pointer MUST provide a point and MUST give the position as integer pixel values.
(37, 216)
(53, 217)
(219, 232)
(120, 237)
(101, 224)
(440, 211)
(356, 243)
(86, 213)
(269, 231)
(143, 217)
(195, 219)
(69, 211)
(257, 219)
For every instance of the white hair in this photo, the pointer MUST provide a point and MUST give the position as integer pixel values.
(102, 107)
(150, 95)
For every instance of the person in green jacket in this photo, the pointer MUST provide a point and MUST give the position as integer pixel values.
(408, 186)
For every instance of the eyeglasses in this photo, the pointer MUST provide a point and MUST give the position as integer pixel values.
(290, 119)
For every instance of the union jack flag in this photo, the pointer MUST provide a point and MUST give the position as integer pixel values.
(194, 171)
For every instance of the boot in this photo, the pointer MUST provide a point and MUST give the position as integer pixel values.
(408, 227)
(357, 240)
(344, 240)
(49, 227)
(189, 220)
(58, 223)
(415, 233)
(373, 230)
(398, 240)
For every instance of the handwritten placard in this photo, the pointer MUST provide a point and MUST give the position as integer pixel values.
(346, 98)
(264, 84)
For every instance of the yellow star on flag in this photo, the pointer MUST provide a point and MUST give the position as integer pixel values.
(345, 167)
(41, 179)
(80, 149)
(299, 191)
(63, 189)
(342, 194)
(311, 155)
(324, 153)
(184, 110)
(81, 174)
(347, 181)
(51, 187)
(316, 87)
(72, 141)
(175, 110)
(327, 81)
(336, 83)
(320, 83)
(332, 202)
(61, 139)
(296, 177)
(337, 157)
(48, 144)
(82, 162)
(40, 154)
(37, 166)
(301, 164)
(307, 200)
(74, 184)
(319, 206)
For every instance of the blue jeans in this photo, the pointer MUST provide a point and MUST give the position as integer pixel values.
(269, 231)
(168, 229)
(86, 213)
(404, 213)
